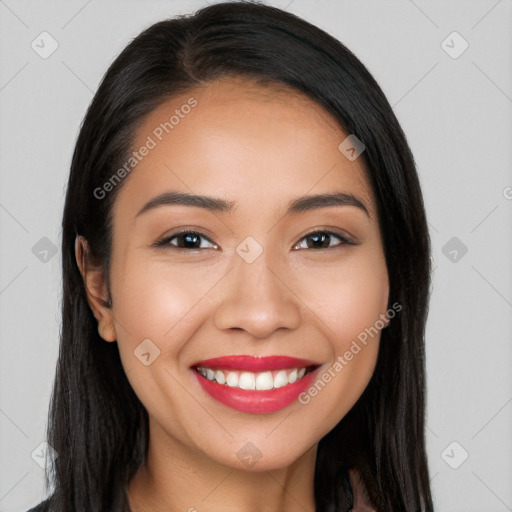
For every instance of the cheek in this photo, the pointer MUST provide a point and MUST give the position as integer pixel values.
(155, 302)
(349, 305)
(349, 301)
(153, 299)
(348, 298)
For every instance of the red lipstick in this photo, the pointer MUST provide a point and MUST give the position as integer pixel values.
(255, 363)
(253, 400)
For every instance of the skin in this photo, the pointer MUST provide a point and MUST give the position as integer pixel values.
(261, 147)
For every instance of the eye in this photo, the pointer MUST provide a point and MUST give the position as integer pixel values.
(189, 239)
(322, 239)
(186, 240)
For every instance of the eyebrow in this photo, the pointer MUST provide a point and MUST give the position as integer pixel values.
(215, 204)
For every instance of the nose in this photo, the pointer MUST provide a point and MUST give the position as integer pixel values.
(257, 298)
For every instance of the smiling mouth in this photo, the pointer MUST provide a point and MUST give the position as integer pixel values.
(260, 381)
(255, 384)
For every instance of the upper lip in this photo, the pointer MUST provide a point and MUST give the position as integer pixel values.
(255, 363)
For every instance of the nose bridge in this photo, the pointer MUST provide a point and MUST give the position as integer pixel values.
(256, 271)
(256, 297)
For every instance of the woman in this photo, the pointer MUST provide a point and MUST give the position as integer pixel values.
(245, 280)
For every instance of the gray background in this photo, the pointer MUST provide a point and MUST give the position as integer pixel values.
(456, 113)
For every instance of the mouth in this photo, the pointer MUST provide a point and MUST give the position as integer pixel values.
(262, 381)
(255, 384)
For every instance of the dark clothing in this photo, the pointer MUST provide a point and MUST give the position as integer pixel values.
(44, 506)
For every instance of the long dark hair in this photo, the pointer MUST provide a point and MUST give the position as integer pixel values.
(97, 425)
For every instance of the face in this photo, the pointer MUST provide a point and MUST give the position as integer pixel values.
(257, 275)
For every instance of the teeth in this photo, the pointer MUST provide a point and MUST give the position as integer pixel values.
(232, 380)
(264, 381)
(249, 380)
(280, 379)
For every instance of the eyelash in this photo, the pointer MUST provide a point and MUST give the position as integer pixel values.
(164, 242)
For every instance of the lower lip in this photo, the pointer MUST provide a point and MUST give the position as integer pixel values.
(254, 401)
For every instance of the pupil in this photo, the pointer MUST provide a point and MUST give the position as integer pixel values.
(188, 237)
(320, 238)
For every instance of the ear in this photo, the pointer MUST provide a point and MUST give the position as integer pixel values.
(96, 291)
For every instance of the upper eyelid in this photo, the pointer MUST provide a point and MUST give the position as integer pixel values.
(345, 239)
(165, 240)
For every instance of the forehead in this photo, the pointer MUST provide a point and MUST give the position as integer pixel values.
(244, 141)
